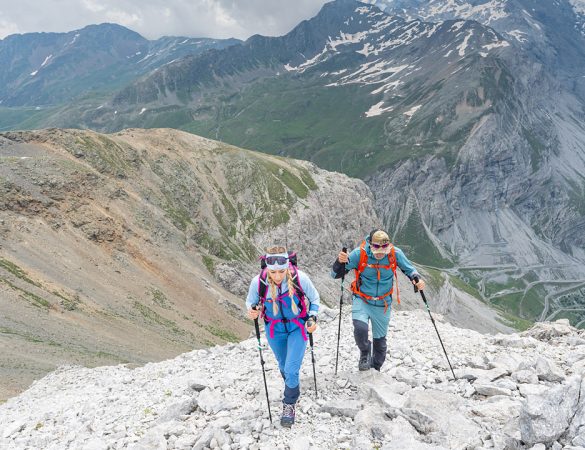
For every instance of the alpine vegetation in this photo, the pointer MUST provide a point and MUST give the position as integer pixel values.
(521, 391)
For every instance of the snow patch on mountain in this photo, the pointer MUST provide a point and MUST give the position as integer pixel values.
(461, 48)
(345, 39)
(518, 35)
(578, 6)
(412, 111)
(149, 55)
(309, 62)
(486, 12)
(457, 26)
(375, 72)
(386, 33)
(73, 40)
(363, 10)
(500, 44)
(46, 61)
(377, 109)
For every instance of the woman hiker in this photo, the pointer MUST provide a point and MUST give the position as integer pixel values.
(288, 302)
(375, 262)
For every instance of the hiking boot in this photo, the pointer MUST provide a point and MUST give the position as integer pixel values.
(288, 415)
(365, 361)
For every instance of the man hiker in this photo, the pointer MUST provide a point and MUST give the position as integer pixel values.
(288, 302)
(374, 262)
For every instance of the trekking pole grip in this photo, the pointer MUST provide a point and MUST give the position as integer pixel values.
(424, 297)
(255, 307)
(417, 279)
(257, 328)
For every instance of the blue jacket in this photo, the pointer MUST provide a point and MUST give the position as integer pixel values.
(370, 285)
(312, 299)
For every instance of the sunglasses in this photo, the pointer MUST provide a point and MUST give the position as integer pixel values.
(280, 260)
(378, 246)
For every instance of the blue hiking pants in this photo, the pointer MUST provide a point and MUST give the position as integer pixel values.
(372, 311)
(289, 350)
(363, 313)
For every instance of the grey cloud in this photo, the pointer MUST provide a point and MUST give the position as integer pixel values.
(155, 18)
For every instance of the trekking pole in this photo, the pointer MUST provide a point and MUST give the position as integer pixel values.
(344, 250)
(433, 320)
(310, 323)
(262, 363)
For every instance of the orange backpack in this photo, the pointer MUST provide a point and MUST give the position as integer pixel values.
(355, 286)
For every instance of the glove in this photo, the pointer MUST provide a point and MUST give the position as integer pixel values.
(339, 269)
(311, 324)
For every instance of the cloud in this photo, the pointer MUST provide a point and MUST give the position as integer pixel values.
(7, 28)
(155, 18)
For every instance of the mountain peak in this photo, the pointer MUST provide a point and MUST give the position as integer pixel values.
(107, 27)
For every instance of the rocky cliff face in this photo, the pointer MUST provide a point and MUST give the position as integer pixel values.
(507, 208)
(521, 391)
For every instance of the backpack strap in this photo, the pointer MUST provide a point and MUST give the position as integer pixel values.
(262, 292)
(299, 291)
(363, 263)
(262, 289)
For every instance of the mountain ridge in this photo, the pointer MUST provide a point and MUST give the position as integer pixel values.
(48, 69)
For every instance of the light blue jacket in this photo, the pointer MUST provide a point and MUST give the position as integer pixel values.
(312, 298)
(370, 284)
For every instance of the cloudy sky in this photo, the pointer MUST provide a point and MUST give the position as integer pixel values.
(155, 18)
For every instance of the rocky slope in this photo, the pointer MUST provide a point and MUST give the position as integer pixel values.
(140, 245)
(513, 392)
(110, 242)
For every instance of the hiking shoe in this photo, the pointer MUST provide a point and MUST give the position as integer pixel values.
(288, 414)
(365, 361)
